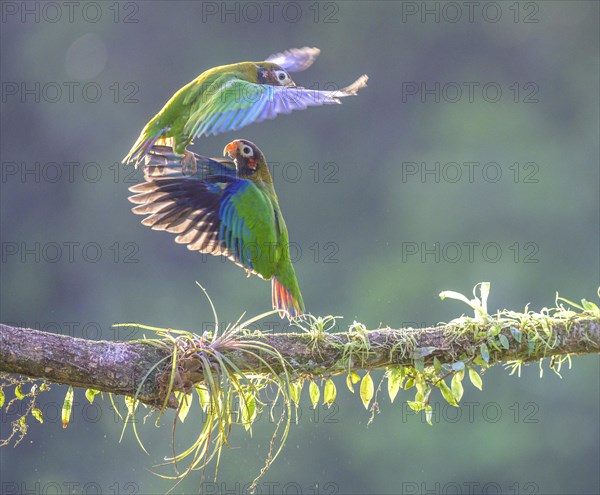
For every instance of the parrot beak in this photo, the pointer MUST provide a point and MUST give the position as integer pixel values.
(231, 150)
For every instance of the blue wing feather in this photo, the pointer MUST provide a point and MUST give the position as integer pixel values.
(208, 212)
(238, 103)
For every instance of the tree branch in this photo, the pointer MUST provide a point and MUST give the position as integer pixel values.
(117, 367)
(123, 367)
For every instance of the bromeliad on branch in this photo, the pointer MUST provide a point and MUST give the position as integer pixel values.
(229, 97)
(227, 208)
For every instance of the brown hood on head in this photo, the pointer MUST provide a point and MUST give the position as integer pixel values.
(270, 73)
(249, 160)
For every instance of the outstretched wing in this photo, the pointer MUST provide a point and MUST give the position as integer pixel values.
(237, 103)
(218, 215)
(295, 59)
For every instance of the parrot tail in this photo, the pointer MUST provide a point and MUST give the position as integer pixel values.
(141, 148)
(285, 302)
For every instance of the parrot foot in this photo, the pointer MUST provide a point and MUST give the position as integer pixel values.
(188, 163)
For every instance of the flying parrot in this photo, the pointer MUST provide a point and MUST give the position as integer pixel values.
(229, 97)
(227, 208)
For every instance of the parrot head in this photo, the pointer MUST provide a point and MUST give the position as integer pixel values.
(249, 160)
(273, 74)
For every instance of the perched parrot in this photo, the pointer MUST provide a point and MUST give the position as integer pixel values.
(230, 97)
(226, 208)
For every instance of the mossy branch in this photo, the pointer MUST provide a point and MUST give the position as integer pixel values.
(130, 368)
(236, 372)
(116, 367)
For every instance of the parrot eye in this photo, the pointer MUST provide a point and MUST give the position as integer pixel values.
(282, 76)
(247, 151)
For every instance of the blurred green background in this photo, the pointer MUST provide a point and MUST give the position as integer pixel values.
(375, 223)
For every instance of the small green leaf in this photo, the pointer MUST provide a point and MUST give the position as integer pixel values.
(590, 307)
(349, 383)
(248, 406)
(420, 365)
(295, 391)
(516, 333)
(314, 393)
(459, 365)
(185, 402)
(1, 397)
(457, 387)
(90, 393)
(67, 407)
(447, 393)
(492, 344)
(409, 383)
(429, 415)
(416, 406)
(421, 384)
(495, 330)
(394, 380)
(351, 379)
(329, 392)
(437, 366)
(503, 341)
(19, 393)
(37, 414)
(421, 352)
(203, 396)
(485, 354)
(23, 421)
(475, 379)
(366, 390)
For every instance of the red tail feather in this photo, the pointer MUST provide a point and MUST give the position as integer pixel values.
(284, 301)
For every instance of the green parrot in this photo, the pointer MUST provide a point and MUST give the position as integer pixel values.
(229, 97)
(227, 208)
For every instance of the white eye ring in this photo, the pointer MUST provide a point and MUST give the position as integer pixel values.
(282, 76)
(247, 151)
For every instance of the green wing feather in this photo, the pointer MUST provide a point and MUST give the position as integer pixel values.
(249, 230)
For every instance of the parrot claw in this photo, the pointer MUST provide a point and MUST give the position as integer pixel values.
(188, 163)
